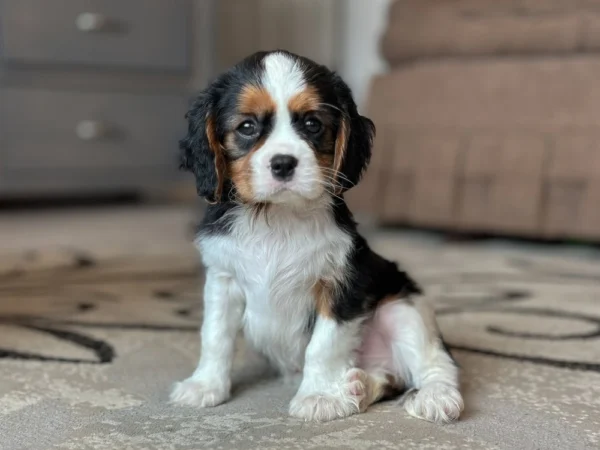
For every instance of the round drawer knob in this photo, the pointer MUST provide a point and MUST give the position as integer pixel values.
(90, 130)
(88, 22)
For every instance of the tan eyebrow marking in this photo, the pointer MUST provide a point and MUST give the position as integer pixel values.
(307, 100)
(255, 100)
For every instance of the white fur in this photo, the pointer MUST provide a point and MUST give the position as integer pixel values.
(276, 266)
(330, 388)
(403, 340)
(210, 383)
(283, 79)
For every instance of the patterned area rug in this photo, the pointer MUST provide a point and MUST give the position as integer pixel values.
(99, 314)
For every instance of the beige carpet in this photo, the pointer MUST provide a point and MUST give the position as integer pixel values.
(99, 311)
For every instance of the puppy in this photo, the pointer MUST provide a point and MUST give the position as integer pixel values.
(274, 143)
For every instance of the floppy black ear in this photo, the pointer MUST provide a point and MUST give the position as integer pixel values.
(354, 140)
(200, 151)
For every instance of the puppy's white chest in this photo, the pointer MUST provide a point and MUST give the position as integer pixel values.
(279, 300)
(277, 265)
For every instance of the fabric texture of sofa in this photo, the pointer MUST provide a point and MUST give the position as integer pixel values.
(488, 119)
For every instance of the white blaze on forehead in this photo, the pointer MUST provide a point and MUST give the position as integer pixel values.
(283, 78)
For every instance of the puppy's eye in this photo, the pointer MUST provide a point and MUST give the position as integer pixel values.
(313, 125)
(247, 129)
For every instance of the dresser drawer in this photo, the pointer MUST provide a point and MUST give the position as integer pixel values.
(44, 129)
(118, 33)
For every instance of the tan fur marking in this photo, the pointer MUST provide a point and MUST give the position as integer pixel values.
(229, 141)
(381, 386)
(389, 298)
(393, 387)
(241, 176)
(307, 100)
(255, 100)
(217, 149)
(240, 171)
(341, 145)
(324, 160)
(323, 299)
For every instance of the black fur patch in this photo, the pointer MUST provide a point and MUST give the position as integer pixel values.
(216, 221)
(337, 96)
(372, 277)
(218, 101)
(243, 145)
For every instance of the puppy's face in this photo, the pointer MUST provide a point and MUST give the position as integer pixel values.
(276, 128)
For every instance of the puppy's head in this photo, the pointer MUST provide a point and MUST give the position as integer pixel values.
(276, 128)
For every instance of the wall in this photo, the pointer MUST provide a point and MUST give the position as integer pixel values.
(343, 34)
(307, 27)
(363, 23)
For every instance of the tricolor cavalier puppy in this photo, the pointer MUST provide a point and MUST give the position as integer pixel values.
(274, 143)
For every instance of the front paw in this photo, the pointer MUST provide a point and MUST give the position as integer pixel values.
(349, 398)
(435, 403)
(199, 393)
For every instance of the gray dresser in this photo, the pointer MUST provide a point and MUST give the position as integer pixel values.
(93, 92)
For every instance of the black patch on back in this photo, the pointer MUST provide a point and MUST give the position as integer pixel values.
(371, 278)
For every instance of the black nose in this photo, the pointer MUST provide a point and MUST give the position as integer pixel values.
(282, 166)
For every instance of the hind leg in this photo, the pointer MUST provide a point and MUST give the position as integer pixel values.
(417, 356)
(374, 359)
